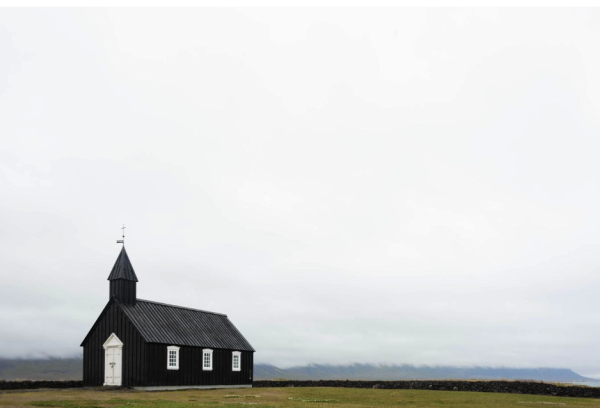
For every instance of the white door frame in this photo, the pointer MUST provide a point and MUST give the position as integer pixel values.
(113, 347)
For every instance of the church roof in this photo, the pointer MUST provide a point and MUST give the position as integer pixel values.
(182, 326)
(123, 268)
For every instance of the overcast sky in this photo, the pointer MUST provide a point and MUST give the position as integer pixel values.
(348, 185)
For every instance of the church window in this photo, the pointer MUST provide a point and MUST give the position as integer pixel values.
(173, 358)
(207, 359)
(236, 361)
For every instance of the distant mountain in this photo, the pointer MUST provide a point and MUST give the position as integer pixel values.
(72, 369)
(41, 369)
(410, 372)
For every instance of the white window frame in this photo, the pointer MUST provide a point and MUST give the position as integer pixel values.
(210, 352)
(237, 354)
(176, 350)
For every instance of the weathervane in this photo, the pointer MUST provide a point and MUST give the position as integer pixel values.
(122, 241)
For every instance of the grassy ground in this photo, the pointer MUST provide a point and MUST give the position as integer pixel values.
(282, 397)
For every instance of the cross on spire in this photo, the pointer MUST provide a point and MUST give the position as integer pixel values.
(122, 241)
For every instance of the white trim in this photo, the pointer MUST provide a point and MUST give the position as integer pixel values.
(237, 354)
(112, 341)
(113, 361)
(210, 352)
(190, 387)
(176, 350)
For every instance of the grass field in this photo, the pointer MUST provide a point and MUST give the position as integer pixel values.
(282, 397)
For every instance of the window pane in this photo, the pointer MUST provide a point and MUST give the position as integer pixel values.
(172, 358)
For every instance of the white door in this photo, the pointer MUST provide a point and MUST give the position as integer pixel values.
(112, 367)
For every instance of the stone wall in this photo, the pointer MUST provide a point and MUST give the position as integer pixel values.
(30, 385)
(508, 387)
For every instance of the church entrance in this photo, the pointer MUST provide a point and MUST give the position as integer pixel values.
(113, 359)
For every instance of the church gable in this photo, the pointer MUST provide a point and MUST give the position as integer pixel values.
(111, 318)
(98, 320)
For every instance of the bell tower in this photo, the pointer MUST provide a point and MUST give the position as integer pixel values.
(123, 280)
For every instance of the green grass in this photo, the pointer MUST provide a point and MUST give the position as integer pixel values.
(284, 398)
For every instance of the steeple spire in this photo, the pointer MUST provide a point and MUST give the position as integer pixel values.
(123, 268)
(123, 280)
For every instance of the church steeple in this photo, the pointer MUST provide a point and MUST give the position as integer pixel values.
(123, 280)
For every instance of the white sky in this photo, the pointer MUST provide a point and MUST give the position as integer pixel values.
(349, 185)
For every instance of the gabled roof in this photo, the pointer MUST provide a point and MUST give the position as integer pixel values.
(123, 268)
(181, 326)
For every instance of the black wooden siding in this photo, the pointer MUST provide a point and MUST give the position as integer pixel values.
(190, 367)
(124, 290)
(145, 364)
(113, 320)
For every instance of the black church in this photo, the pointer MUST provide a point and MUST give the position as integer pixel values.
(151, 345)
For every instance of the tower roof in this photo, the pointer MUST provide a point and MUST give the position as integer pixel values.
(123, 268)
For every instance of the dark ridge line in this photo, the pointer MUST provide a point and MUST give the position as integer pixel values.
(180, 307)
